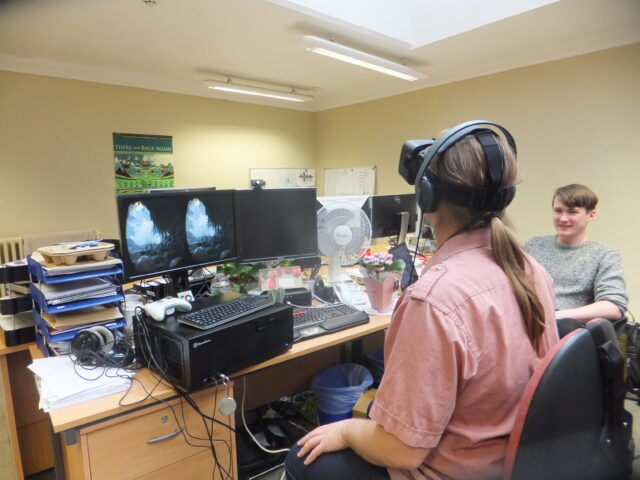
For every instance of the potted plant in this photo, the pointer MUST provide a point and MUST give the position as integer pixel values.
(242, 277)
(380, 273)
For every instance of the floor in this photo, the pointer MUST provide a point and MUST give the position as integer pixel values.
(632, 406)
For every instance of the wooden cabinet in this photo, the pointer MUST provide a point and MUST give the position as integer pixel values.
(28, 428)
(166, 440)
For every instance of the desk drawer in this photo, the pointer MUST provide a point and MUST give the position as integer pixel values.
(121, 450)
(198, 467)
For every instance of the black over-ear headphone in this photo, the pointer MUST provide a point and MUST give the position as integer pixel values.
(416, 156)
(92, 344)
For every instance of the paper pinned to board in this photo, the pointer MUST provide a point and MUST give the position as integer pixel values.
(349, 181)
(285, 177)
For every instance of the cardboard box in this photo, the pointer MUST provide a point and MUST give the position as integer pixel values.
(362, 406)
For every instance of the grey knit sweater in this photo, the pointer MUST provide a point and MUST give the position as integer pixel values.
(582, 274)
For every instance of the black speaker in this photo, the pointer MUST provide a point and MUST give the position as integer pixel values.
(416, 155)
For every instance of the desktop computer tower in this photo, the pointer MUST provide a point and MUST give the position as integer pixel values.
(193, 358)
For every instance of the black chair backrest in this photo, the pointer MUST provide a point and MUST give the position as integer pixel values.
(562, 431)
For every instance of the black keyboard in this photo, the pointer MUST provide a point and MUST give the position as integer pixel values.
(221, 313)
(313, 321)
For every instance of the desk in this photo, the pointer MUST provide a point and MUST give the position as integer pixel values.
(103, 420)
(27, 426)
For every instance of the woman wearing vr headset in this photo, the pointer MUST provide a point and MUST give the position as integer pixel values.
(463, 341)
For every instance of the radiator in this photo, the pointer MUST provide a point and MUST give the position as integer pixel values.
(10, 249)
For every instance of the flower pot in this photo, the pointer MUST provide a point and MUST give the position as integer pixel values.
(380, 293)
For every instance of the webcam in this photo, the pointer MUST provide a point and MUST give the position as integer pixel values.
(258, 183)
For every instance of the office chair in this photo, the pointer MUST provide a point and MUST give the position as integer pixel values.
(571, 422)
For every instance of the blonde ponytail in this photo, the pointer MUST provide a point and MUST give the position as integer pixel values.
(511, 258)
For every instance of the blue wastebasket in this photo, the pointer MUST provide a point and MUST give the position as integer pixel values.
(337, 390)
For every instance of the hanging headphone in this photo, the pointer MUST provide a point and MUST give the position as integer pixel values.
(417, 155)
(92, 344)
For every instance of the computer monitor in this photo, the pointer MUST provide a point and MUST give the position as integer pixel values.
(387, 215)
(276, 223)
(172, 232)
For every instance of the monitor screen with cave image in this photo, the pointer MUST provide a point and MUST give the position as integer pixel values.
(393, 215)
(171, 233)
(277, 223)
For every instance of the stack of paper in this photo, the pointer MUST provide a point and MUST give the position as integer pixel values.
(61, 383)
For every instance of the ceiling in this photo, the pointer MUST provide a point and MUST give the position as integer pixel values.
(175, 45)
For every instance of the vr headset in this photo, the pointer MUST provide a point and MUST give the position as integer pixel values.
(416, 156)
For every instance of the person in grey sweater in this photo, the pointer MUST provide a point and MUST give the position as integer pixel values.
(587, 275)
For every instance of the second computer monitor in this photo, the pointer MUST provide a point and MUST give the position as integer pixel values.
(386, 214)
(277, 223)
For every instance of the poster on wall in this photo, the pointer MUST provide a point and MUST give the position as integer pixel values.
(142, 162)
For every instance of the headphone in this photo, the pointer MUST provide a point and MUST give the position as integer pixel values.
(417, 155)
(91, 345)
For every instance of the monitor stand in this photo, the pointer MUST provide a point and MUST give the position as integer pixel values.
(404, 227)
(179, 283)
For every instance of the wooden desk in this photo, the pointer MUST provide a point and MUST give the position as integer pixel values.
(105, 417)
(135, 436)
(28, 427)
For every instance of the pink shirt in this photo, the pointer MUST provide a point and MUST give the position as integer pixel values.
(457, 360)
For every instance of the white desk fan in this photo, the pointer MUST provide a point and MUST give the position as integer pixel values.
(344, 230)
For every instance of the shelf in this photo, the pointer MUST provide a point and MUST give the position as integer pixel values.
(40, 276)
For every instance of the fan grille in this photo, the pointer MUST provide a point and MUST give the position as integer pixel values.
(343, 232)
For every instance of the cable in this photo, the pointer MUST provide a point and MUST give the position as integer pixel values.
(415, 252)
(151, 360)
(246, 427)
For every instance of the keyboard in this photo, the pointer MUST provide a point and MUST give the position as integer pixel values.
(221, 313)
(313, 321)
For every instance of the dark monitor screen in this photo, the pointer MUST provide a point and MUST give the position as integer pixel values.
(385, 214)
(276, 224)
(169, 232)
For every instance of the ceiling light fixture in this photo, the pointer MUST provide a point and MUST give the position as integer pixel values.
(233, 87)
(332, 49)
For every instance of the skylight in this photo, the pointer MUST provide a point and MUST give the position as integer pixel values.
(413, 22)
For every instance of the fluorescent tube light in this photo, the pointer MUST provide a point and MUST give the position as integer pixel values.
(356, 57)
(258, 91)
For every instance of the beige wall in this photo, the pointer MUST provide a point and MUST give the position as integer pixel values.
(574, 120)
(56, 148)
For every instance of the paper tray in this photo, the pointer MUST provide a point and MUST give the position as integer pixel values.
(69, 335)
(38, 297)
(35, 268)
